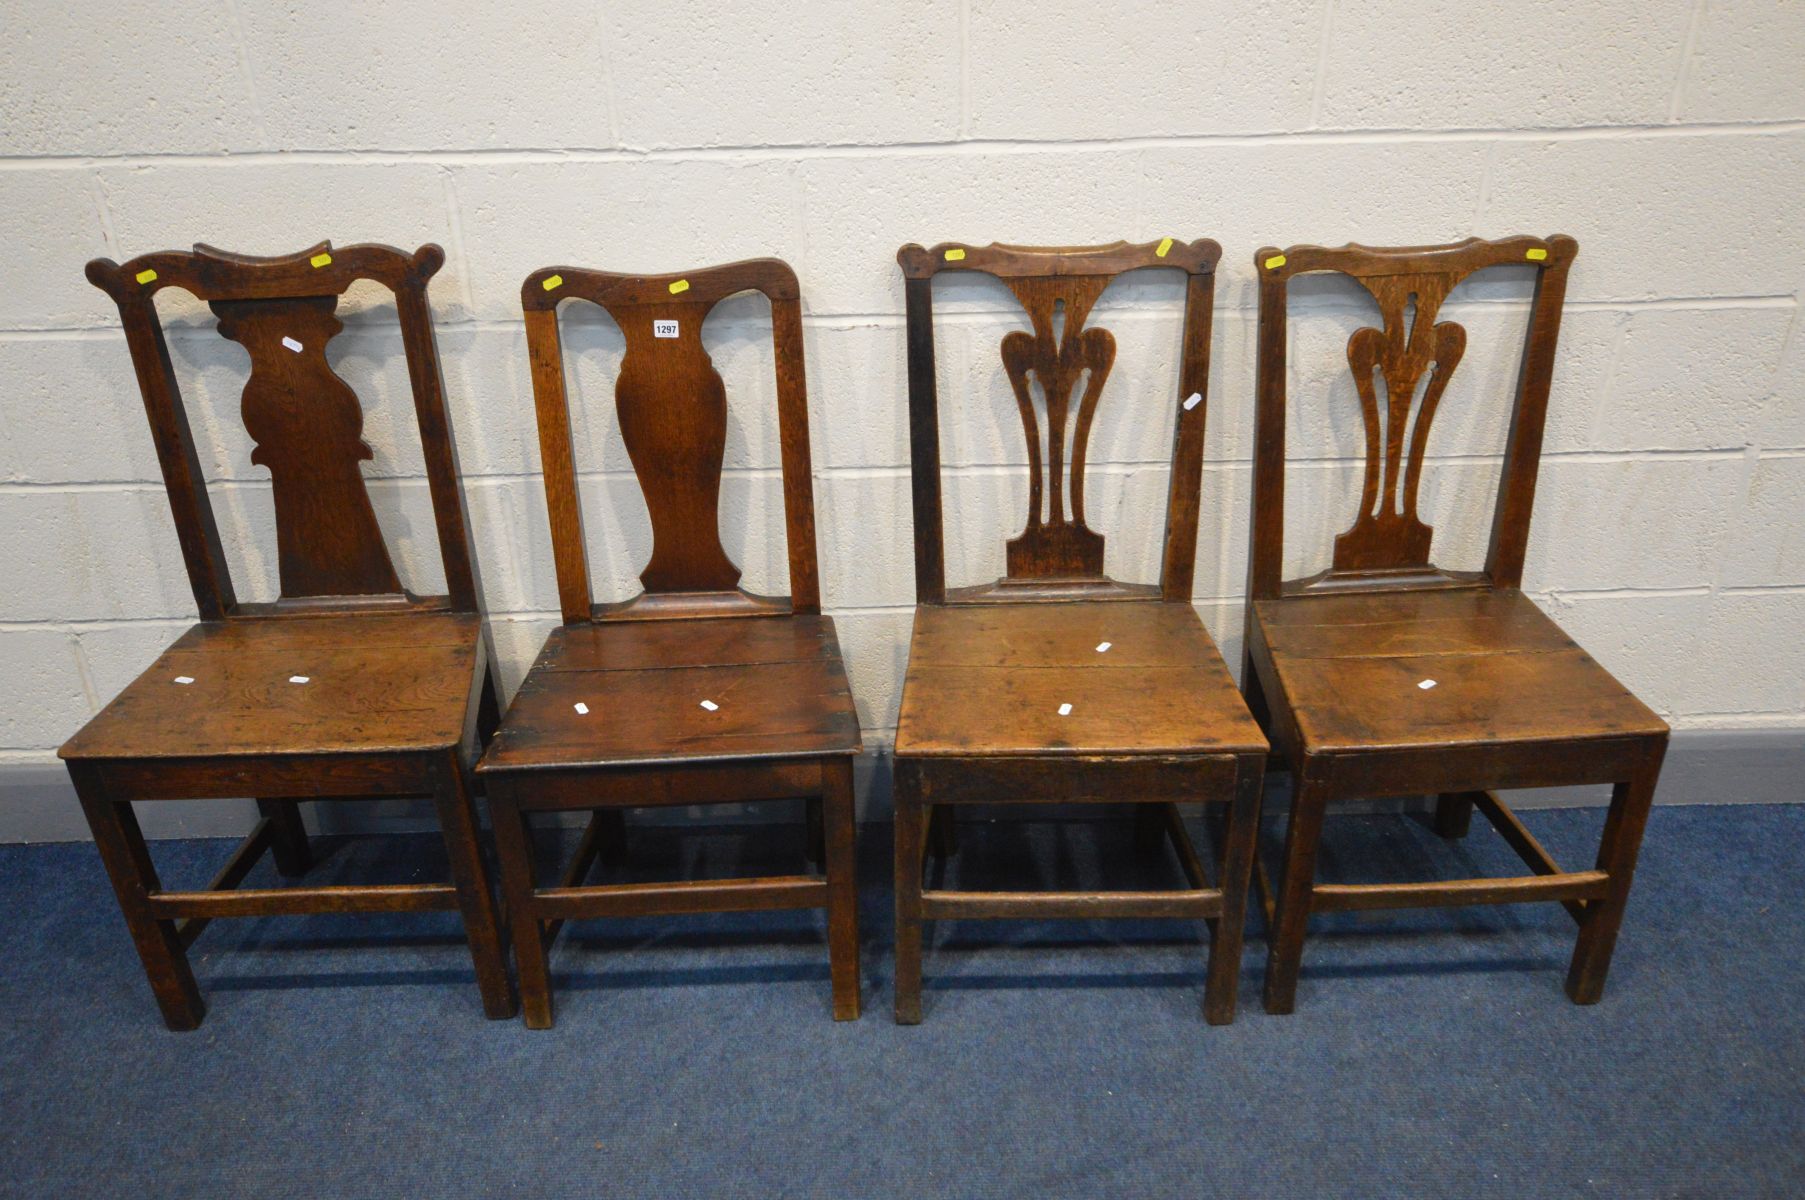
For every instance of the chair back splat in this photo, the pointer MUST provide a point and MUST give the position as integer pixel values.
(695, 691)
(1401, 368)
(304, 419)
(1057, 555)
(672, 407)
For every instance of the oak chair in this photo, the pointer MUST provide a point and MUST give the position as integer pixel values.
(1057, 683)
(1385, 675)
(347, 686)
(694, 691)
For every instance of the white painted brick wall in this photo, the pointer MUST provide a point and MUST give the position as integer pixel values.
(1670, 139)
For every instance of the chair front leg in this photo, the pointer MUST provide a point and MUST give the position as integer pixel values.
(1623, 828)
(514, 863)
(482, 926)
(909, 837)
(1309, 801)
(1234, 873)
(134, 877)
(840, 832)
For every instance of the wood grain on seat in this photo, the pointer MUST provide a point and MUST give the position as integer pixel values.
(1352, 669)
(374, 683)
(990, 680)
(778, 686)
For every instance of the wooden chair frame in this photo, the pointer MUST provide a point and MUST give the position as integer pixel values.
(688, 579)
(1057, 559)
(324, 571)
(1386, 552)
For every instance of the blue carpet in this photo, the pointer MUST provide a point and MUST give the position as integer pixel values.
(1432, 1054)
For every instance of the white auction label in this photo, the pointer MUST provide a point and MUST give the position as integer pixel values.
(664, 329)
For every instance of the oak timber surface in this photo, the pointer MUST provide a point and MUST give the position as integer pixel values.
(778, 685)
(1351, 669)
(374, 682)
(990, 679)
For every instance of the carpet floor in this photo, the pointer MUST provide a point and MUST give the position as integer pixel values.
(1432, 1053)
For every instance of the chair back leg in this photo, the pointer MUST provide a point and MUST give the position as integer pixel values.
(288, 837)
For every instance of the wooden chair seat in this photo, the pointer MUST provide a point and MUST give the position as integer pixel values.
(990, 680)
(374, 683)
(1352, 670)
(778, 685)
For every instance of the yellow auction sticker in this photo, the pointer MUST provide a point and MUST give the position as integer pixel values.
(681, 286)
(1275, 262)
(1535, 255)
(552, 281)
(146, 276)
(955, 256)
(1164, 246)
(321, 260)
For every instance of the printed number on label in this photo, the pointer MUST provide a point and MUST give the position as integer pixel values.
(664, 329)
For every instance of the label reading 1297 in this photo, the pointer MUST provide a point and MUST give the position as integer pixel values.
(664, 329)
